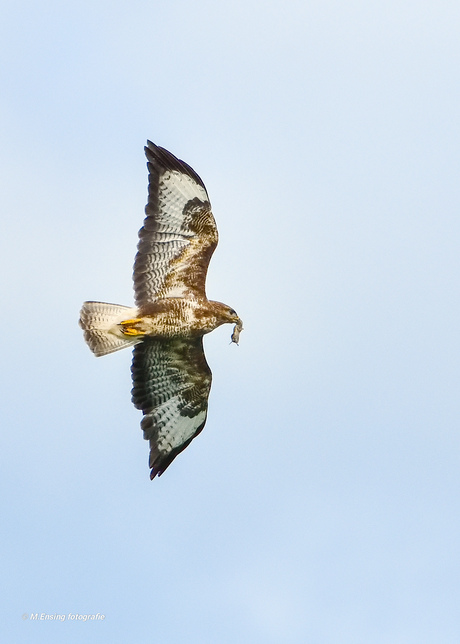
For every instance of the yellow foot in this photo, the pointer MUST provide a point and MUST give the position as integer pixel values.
(129, 327)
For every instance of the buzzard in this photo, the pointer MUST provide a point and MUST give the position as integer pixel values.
(171, 378)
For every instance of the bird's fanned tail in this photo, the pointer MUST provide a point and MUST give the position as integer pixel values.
(100, 323)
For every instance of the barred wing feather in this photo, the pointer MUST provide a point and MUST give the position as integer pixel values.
(179, 234)
(171, 385)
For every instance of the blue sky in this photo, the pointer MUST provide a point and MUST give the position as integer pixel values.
(320, 504)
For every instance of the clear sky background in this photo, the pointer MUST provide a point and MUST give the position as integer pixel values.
(321, 503)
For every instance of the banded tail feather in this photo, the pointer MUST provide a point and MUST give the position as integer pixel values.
(100, 323)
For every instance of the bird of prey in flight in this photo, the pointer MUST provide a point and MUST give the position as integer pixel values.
(171, 378)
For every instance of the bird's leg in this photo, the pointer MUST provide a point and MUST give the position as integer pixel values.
(129, 327)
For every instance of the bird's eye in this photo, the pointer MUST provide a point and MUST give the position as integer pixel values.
(232, 312)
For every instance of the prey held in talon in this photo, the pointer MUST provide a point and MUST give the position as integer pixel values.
(171, 378)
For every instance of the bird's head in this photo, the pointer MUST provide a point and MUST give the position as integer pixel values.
(228, 315)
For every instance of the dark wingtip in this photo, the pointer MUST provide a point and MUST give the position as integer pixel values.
(158, 156)
(156, 471)
(150, 147)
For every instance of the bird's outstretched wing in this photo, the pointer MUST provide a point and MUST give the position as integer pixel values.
(171, 385)
(179, 234)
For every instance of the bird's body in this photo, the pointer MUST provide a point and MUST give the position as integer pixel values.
(171, 379)
(177, 317)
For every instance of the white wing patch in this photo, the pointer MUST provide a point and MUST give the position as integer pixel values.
(175, 191)
(173, 429)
